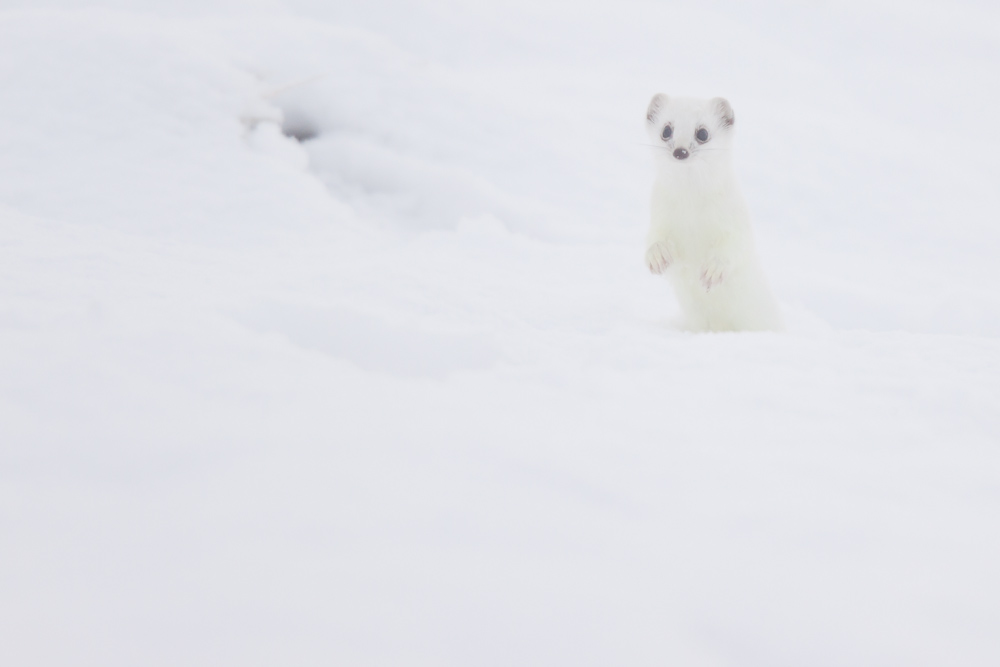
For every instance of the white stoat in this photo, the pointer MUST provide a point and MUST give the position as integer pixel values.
(700, 233)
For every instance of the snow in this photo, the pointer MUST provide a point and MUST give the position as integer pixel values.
(403, 393)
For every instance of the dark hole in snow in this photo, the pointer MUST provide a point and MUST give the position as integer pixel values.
(298, 126)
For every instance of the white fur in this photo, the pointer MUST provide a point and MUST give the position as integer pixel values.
(700, 234)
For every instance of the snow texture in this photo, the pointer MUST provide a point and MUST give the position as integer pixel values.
(326, 337)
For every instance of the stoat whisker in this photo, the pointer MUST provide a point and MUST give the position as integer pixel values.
(695, 151)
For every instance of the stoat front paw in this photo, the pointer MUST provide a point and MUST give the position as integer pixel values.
(659, 257)
(713, 273)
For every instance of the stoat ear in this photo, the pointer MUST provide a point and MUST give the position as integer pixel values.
(724, 110)
(658, 102)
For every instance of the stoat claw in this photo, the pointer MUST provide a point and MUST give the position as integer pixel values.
(712, 274)
(659, 257)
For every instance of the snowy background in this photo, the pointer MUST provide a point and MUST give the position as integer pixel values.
(403, 392)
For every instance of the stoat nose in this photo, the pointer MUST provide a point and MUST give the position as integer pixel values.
(681, 153)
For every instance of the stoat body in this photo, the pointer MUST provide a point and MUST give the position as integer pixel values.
(700, 235)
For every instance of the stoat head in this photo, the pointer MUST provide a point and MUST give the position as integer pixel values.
(690, 133)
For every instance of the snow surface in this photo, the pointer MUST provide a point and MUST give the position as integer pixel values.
(404, 393)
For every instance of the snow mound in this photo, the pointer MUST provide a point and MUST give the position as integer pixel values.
(325, 338)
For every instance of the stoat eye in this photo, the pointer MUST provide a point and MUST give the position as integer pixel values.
(667, 132)
(701, 135)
